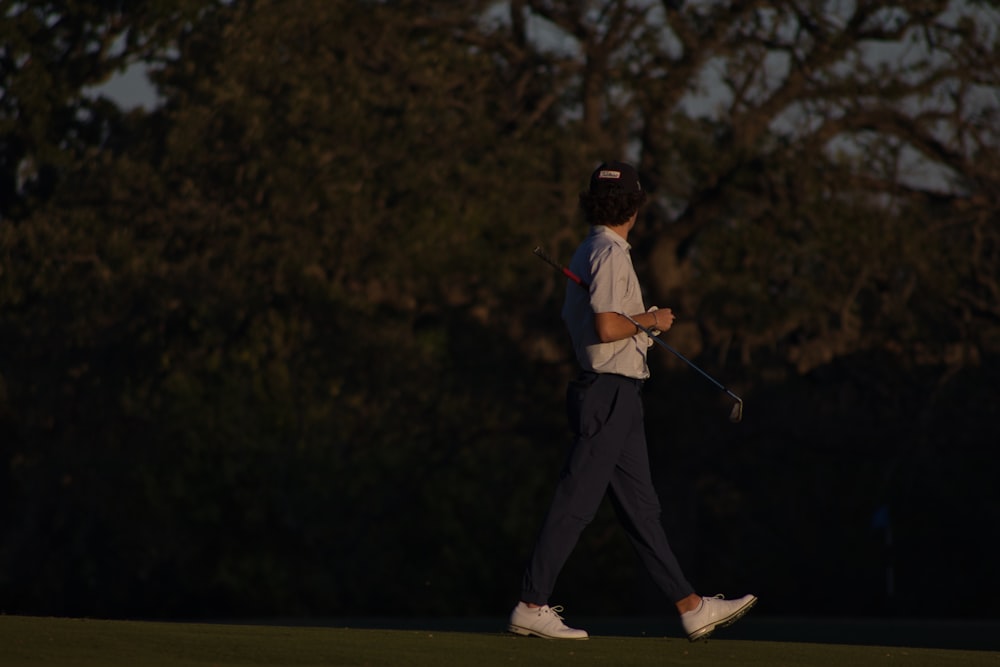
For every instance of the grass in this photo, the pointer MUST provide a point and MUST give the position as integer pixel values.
(55, 642)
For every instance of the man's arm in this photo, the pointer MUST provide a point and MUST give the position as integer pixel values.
(612, 326)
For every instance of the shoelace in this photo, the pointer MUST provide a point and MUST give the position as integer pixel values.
(555, 611)
(701, 605)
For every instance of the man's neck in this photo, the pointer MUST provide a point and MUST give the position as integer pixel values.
(620, 230)
(623, 229)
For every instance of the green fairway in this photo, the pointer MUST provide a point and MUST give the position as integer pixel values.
(81, 643)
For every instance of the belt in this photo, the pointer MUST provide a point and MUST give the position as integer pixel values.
(591, 375)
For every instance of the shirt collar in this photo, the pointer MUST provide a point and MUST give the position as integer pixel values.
(616, 238)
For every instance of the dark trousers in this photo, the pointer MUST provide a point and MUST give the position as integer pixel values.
(608, 456)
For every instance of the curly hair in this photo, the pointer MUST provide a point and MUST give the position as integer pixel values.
(612, 209)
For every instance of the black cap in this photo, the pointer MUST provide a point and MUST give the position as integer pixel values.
(615, 177)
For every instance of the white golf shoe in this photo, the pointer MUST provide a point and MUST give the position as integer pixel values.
(714, 613)
(542, 622)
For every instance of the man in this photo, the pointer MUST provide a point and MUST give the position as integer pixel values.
(604, 406)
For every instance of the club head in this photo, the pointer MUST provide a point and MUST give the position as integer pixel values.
(736, 416)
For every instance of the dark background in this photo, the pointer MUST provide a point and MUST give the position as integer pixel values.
(275, 345)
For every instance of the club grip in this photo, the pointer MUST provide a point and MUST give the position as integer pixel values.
(565, 271)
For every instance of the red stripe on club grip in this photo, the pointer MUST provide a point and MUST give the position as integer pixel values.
(572, 276)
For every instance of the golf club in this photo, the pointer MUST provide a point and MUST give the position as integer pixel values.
(735, 416)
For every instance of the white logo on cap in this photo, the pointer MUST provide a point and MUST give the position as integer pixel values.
(609, 173)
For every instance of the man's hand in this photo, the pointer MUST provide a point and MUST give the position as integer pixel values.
(664, 318)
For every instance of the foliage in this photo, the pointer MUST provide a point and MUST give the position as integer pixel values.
(277, 346)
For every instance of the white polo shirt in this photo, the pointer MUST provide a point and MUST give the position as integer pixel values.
(604, 262)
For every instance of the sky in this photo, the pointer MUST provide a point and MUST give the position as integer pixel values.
(130, 89)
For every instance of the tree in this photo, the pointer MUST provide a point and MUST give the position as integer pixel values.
(234, 258)
(53, 56)
(265, 343)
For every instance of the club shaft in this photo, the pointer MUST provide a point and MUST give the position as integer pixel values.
(671, 348)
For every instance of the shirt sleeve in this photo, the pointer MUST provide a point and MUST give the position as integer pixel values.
(610, 270)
